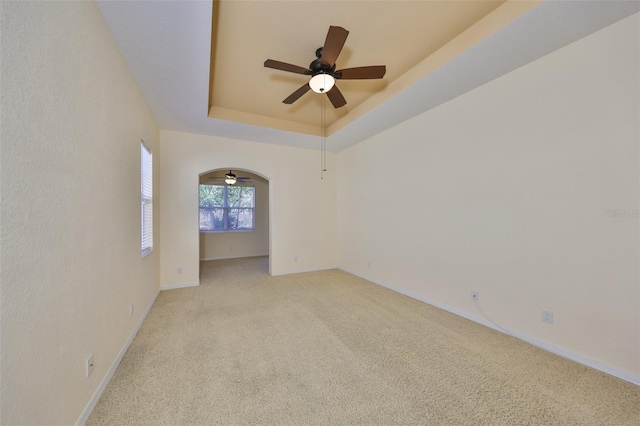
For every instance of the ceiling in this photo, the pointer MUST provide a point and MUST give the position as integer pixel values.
(433, 50)
(248, 32)
(216, 177)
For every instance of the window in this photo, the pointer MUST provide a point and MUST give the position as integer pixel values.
(226, 208)
(146, 199)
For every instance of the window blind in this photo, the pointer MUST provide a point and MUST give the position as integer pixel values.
(146, 199)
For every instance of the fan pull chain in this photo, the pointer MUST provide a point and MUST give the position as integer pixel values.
(324, 128)
(323, 141)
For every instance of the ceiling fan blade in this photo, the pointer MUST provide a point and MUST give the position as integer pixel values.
(283, 66)
(336, 98)
(333, 45)
(297, 94)
(361, 73)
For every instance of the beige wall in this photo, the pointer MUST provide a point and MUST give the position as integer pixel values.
(302, 206)
(227, 245)
(72, 120)
(504, 190)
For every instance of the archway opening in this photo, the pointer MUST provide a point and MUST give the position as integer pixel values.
(234, 215)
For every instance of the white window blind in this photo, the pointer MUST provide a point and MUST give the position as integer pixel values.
(146, 199)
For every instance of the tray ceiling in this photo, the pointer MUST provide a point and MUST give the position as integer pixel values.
(434, 51)
(398, 34)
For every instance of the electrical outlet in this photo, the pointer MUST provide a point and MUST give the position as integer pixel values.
(369, 265)
(474, 295)
(89, 366)
(547, 316)
(295, 258)
(179, 270)
(231, 248)
(131, 310)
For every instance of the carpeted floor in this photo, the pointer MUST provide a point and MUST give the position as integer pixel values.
(328, 348)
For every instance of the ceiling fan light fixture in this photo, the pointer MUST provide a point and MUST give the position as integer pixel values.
(322, 83)
(230, 178)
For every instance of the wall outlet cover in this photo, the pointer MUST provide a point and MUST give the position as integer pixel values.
(89, 366)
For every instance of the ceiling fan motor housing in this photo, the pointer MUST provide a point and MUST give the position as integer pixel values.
(318, 67)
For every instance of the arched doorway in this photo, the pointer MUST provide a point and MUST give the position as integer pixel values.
(234, 218)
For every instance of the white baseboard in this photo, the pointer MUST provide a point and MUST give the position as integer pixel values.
(301, 271)
(549, 347)
(183, 285)
(112, 369)
(233, 257)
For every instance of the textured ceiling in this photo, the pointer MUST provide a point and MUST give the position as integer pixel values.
(167, 45)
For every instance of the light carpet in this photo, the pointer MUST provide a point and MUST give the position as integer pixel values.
(329, 348)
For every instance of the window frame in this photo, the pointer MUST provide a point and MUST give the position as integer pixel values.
(146, 199)
(225, 210)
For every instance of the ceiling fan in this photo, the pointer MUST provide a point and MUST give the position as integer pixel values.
(323, 70)
(230, 178)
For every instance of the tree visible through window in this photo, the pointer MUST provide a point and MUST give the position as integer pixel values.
(227, 208)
